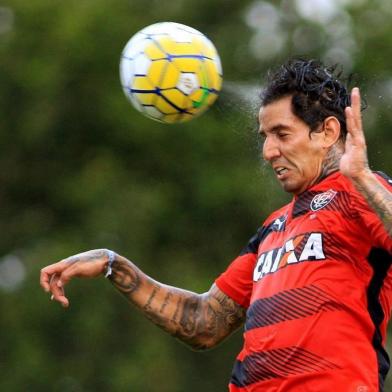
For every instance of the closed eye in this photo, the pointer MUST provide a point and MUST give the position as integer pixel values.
(282, 135)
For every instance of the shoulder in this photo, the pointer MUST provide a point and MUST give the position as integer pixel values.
(275, 222)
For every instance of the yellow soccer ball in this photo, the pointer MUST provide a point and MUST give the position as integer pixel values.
(170, 72)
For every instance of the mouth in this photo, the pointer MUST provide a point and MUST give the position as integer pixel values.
(280, 171)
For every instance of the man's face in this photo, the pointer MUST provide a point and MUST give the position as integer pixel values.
(295, 154)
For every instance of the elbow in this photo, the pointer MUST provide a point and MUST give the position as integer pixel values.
(202, 343)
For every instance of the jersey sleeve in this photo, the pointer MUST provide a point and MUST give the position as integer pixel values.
(236, 282)
(374, 226)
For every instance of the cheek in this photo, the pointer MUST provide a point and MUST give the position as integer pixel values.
(306, 159)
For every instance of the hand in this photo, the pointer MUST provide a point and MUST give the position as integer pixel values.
(354, 161)
(83, 265)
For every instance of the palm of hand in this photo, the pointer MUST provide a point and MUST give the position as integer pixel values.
(354, 161)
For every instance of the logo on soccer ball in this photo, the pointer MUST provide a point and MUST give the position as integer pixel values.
(322, 199)
(187, 83)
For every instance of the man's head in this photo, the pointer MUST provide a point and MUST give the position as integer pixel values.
(303, 122)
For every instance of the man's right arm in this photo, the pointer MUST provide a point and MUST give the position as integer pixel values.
(199, 320)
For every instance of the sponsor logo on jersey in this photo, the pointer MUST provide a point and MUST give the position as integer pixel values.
(279, 223)
(322, 199)
(304, 247)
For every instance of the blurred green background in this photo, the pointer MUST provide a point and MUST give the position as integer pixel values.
(81, 169)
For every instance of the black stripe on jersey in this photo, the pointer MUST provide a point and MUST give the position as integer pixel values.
(302, 204)
(277, 363)
(341, 202)
(380, 261)
(253, 245)
(289, 305)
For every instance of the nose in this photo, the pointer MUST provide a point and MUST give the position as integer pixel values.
(270, 149)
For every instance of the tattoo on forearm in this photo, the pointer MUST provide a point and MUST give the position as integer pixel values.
(177, 311)
(166, 301)
(199, 320)
(124, 277)
(147, 307)
(189, 316)
(380, 199)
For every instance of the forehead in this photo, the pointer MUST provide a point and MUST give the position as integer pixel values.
(277, 112)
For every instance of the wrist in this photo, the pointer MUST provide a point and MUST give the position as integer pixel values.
(363, 176)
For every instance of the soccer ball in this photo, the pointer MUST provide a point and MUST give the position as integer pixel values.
(170, 72)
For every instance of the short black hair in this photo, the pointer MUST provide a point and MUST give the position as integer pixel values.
(316, 91)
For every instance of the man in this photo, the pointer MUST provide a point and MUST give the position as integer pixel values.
(313, 286)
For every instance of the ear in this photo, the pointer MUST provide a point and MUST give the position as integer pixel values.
(331, 128)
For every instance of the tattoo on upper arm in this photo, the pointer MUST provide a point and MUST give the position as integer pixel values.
(200, 320)
(208, 319)
(229, 312)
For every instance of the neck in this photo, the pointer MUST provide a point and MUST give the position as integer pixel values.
(331, 162)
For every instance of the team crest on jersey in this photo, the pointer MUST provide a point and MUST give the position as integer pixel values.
(322, 199)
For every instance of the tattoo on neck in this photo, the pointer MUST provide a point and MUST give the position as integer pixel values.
(331, 162)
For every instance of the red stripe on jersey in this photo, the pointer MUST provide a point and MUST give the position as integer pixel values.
(311, 282)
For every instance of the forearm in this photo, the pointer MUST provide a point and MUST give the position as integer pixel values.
(200, 320)
(377, 196)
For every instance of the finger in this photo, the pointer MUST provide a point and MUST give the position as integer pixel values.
(356, 111)
(54, 289)
(48, 272)
(69, 273)
(354, 118)
(58, 293)
(356, 100)
(349, 118)
(56, 268)
(44, 280)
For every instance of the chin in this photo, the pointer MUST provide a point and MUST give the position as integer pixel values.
(293, 188)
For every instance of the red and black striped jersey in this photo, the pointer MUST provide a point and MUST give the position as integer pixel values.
(317, 284)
